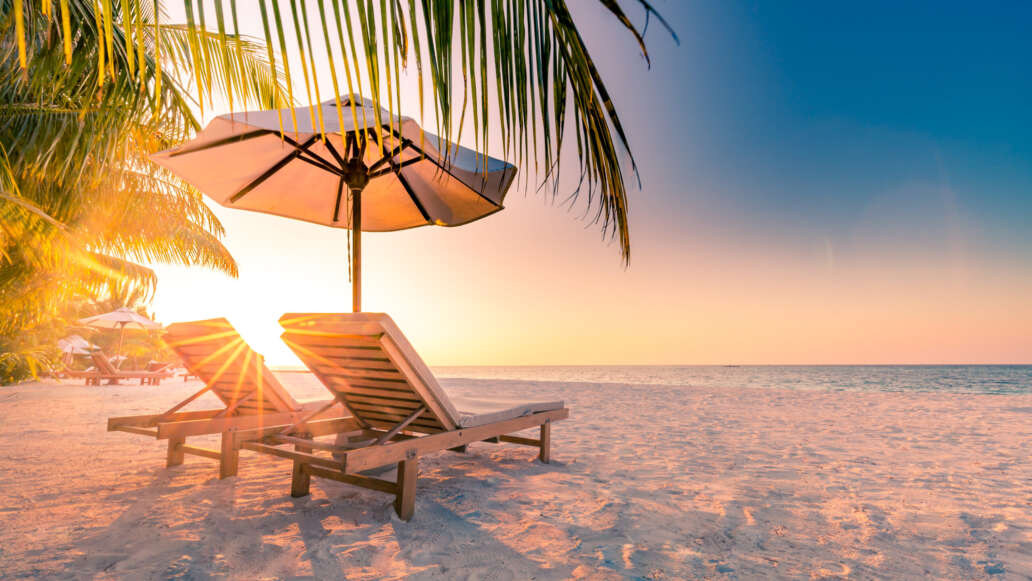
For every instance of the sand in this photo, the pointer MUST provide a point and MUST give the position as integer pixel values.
(647, 483)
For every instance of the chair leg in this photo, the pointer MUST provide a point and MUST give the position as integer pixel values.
(545, 455)
(303, 448)
(405, 498)
(301, 480)
(175, 452)
(229, 458)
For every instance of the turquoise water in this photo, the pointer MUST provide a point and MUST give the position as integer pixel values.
(996, 379)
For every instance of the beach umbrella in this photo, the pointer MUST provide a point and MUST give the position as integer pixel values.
(75, 345)
(120, 318)
(335, 170)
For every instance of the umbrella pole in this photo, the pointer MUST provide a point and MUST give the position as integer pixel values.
(121, 337)
(356, 175)
(356, 235)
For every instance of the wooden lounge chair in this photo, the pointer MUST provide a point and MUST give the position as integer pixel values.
(399, 412)
(104, 370)
(165, 367)
(233, 372)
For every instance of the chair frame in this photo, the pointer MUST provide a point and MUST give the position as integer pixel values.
(107, 371)
(372, 446)
(344, 463)
(176, 426)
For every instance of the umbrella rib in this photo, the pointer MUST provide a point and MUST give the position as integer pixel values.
(221, 142)
(444, 169)
(317, 162)
(313, 154)
(394, 167)
(336, 156)
(272, 170)
(340, 193)
(412, 194)
(349, 141)
(388, 158)
(428, 158)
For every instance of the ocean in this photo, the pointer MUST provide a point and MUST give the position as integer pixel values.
(990, 379)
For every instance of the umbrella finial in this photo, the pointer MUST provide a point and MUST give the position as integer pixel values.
(356, 174)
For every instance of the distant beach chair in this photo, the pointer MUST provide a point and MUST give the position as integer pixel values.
(399, 412)
(237, 375)
(103, 370)
(166, 367)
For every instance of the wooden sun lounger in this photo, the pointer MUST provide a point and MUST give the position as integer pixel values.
(164, 368)
(105, 371)
(399, 412)
(233, 372)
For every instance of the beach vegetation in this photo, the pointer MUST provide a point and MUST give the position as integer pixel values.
(82, 210)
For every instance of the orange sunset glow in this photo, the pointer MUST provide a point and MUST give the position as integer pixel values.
(492, 293)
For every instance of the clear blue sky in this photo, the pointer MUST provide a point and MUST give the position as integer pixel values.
(796, 114)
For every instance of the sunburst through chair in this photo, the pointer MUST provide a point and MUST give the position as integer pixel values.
(399, 412)
(253, 397)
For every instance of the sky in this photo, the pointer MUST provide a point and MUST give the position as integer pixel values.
(821, 184)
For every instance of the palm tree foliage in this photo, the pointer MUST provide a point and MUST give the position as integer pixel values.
(520, 66)
(80, 204)
(88, 88)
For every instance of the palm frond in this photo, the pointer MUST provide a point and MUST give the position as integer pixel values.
(545, 78)
(80, 204)
(238, 68)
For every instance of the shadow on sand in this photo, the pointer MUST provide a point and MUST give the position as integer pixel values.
(182, 523)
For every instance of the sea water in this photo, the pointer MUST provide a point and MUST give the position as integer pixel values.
(993, 379)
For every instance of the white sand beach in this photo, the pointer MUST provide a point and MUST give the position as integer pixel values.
(646, 483)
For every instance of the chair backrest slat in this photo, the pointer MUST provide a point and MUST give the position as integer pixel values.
(365, 361)
(103, 364)
(214, 351)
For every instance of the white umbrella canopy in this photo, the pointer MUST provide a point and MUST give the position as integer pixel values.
(241, 161)
(411, 179)
(75, 345)
(119, 319)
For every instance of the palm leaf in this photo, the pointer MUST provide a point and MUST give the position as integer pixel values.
(81, 206)
(545, 76)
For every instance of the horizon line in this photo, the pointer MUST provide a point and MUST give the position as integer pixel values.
(730, 365)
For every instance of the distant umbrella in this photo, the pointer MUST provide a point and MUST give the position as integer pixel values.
(411, 179)
(75, 345)
(119, 318)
